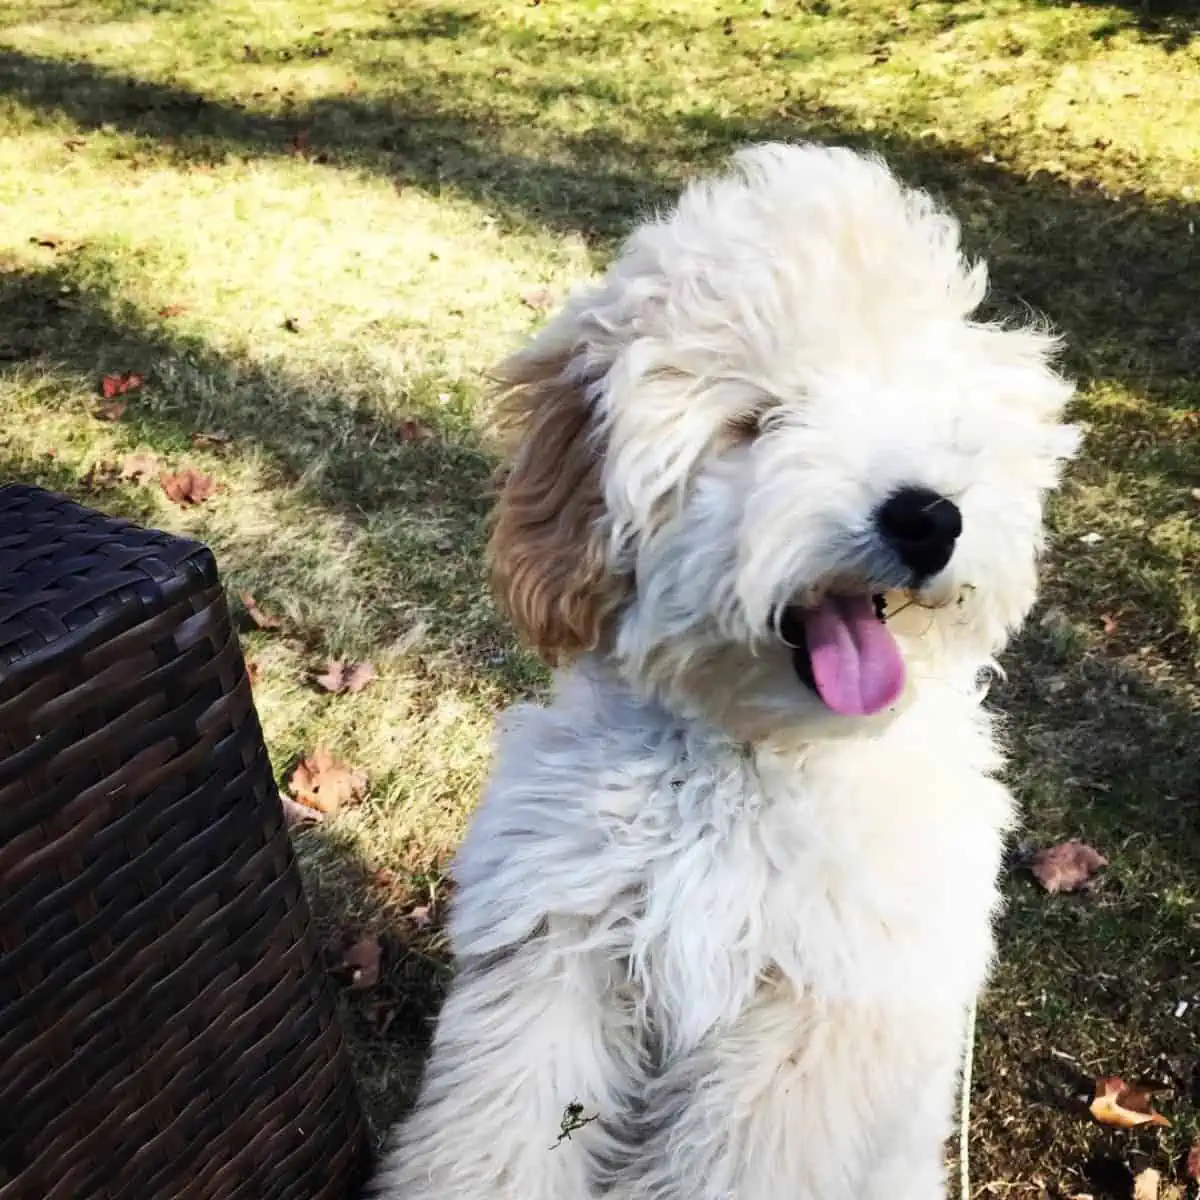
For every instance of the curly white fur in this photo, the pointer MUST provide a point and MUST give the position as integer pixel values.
(740, 930)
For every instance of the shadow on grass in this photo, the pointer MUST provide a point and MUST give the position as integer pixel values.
(389, 1024)
(1174, 23)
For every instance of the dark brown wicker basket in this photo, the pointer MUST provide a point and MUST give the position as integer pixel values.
(166, 1028)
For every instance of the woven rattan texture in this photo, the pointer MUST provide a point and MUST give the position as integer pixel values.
(166, 1028)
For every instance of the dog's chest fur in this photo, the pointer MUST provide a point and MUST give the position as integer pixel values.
(859, 871)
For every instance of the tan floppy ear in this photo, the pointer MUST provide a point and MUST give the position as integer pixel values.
(549, 550)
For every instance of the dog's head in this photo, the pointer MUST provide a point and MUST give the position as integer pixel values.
(769, 466)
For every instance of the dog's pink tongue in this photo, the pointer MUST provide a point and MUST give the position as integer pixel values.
(856, 663)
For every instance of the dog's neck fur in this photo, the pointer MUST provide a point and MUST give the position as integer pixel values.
(844, 866)
(954, 697)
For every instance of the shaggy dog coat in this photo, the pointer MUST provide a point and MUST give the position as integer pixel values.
(775, 502)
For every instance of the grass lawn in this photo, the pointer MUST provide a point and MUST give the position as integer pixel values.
(311, 225)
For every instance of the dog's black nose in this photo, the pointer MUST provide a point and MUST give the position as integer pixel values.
(921, 527)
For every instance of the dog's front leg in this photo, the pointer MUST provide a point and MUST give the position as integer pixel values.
(910, 1163)
(529, 1051)
(909, 1177)
(762, 1110)
(799, 1099)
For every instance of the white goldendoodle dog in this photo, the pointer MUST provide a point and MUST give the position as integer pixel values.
(775, 502)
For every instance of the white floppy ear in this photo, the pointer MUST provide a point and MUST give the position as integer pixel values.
(550, 551)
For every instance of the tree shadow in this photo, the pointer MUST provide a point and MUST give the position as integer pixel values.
(1173, 23)
(389, 1023)
(423, 142)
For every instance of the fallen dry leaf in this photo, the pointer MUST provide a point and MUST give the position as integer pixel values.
(340, 676)
(384, 879)
(261, 619)
(187, 486)
(1145, 1184)
(48, 241)
(326, 783)
(537, 298)
(118, 385)
(112, 411)
(333, 678)
(139, 466)
(172, 310)
(1123, 1106)
(296, 815)
(411, 430)
(254, 671)
(1066, 867)
(361, 959)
